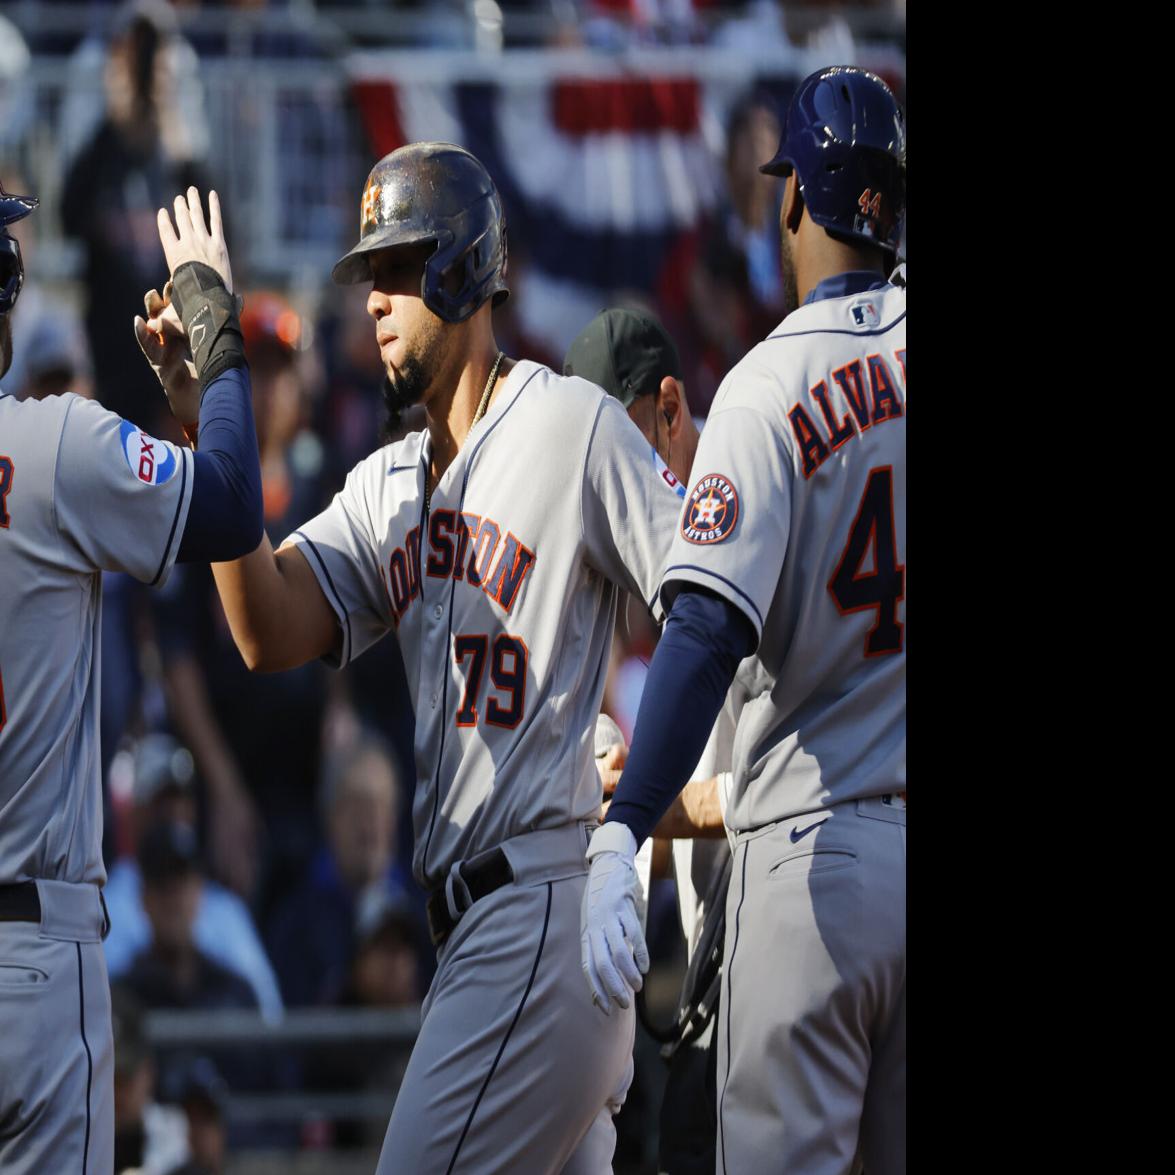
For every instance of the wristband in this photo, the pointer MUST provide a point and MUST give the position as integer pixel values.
(211, 318)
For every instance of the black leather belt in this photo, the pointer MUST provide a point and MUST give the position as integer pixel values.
(19, 902)
(482, 875)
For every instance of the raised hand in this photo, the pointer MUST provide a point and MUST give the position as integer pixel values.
(190, 239)
(201, 285)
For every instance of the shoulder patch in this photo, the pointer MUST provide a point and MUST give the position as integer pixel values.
(711, 510)
(150, 460)
(865, 313)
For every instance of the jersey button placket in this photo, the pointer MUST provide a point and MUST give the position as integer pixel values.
(437, 610)
(441, 639)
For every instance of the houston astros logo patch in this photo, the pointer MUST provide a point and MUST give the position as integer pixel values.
(370, 205)
(711, 510)
(151, 461)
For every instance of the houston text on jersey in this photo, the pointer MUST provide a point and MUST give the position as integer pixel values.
(465, 547)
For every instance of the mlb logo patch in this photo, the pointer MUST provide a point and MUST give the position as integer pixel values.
(865, 314)
(865, 226)
(152, 462)
(710, 511)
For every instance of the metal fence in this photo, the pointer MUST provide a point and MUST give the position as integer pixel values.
(298, 1030)
(290, 1130)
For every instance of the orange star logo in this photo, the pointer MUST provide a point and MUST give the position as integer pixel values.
(709, 510)
(371, 196)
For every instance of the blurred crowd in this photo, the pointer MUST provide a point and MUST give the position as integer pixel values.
(291, 27)
(258, 827)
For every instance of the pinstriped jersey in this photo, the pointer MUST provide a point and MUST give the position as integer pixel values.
(796, 515)
(81, 491)
(502, 596)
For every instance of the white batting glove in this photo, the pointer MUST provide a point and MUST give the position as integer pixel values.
(611, 942)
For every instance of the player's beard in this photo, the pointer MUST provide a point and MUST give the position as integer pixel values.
(409, 383)
(787, 265)
(403, 389)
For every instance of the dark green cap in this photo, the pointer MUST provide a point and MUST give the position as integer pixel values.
(627, 353)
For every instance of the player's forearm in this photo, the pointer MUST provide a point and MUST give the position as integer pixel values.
(250, 593)
(696, 814)
(272, 618)
(661, 863)
(705, 638)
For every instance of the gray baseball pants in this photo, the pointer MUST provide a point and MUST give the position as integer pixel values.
(812, 1022)
(515, 1069)
(57, 1075)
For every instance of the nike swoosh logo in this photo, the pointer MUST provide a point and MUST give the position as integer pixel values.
(798, 836)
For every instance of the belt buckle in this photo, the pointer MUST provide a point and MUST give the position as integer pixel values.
(454, 879)
(447, 904)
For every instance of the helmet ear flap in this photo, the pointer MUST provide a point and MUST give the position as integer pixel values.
(502, 293)
(454, 278)
(467, 269)
(11, 271)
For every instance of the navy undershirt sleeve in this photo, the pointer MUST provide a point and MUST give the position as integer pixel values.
(704, 640)
(225, 516)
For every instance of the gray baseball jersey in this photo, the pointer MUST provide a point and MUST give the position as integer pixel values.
(81, 490)
(502, 595)
(504, 612)
(796, 515)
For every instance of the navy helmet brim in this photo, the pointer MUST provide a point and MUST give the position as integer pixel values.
(14, 208)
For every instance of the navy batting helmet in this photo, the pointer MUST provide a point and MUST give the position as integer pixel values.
(845, 137)
(435, 193)
(11, 266)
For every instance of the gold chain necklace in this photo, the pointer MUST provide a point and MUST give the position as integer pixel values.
(481, 411)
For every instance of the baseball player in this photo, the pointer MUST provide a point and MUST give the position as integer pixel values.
(82, 490)
(493, 545)
(632, 358)
(791, 552)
